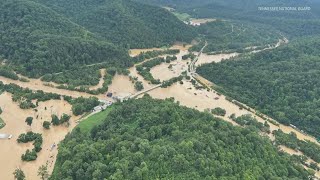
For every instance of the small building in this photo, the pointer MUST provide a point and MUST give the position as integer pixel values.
(293, 126)
(98, 108)
(5, 136)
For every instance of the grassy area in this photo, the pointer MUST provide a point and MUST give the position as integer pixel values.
(2, 123)
(94, 120)
(182, 16)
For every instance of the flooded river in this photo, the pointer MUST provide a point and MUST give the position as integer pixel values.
(37, 84)
(185, 93)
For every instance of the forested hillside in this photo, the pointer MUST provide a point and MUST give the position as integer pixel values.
(158, 139)
(39, 37)
(37, 40)
(291, 23)
(283, 83)
(123, 22)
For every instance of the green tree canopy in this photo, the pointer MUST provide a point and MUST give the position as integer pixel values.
(158, 139)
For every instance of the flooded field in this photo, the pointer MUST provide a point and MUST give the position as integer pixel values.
(187, 95)
(15, 117)
(37, 84)
(121, 85)
(205, 58)
(134, 73)
(201, 100)
(163, 72)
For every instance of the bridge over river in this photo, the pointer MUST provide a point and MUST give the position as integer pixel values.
(145, 91)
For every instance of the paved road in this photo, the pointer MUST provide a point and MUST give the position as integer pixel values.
(145, 91)
(192, 66)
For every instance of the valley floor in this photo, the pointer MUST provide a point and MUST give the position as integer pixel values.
(186, 94)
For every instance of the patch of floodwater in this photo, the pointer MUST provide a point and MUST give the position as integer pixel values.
(187, 95)
(290, 151)
(134, 73)
(299, 153)
(163, 72)
(15, 118)
(37, 84)
(205, 58)
(121, 84)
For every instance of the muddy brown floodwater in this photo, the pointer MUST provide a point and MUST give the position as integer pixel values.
(37, 84)
(15, 117)
(121, 85)
(185, 93)
(163, 72)
(205, 58)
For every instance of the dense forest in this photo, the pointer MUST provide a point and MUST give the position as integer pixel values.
(282, 83)
(131, 24)
(90, 77)
(290, 23)
(39, 37)
(36, 40)
(158, 139)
